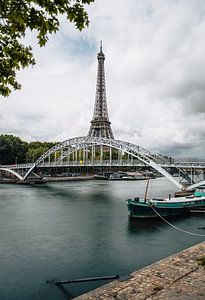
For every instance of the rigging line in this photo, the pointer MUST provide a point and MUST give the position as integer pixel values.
(175, 227)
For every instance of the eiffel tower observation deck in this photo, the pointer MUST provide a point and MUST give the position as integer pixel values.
(100, 124)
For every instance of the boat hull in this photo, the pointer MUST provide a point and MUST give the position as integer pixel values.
(139, 210)
(166, 207)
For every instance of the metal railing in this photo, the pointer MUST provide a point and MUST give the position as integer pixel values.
(176, 164)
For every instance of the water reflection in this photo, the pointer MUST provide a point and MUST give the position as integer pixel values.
(67, 295)
(55, 190)
(148, 225)
(76, 230)
(153, 225)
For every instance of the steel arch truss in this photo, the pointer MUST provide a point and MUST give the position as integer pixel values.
(78, 143)
(11, 171)
(71, 145)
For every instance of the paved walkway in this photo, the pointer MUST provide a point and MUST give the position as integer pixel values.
(178, 277)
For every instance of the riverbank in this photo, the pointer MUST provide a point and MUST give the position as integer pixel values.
(47, 180)
(176, 277)
(71, 178)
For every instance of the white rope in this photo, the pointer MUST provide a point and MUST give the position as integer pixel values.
(175, 227)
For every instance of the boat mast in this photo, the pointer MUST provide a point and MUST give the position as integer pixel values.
(146, 191)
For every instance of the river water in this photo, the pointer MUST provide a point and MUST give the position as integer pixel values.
(79, 229)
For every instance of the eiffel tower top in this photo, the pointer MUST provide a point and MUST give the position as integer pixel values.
(100, 124)
(101, 54)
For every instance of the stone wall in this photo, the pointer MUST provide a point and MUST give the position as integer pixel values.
(177, 277)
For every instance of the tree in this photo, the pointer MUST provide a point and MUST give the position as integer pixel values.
(12, 150)
(16, 16)
(36, 149)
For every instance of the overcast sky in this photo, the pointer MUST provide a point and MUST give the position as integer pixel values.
(155, 78)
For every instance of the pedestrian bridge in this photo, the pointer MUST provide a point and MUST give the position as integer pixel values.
(96, 151)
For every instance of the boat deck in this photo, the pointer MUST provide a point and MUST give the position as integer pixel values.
(178, 199)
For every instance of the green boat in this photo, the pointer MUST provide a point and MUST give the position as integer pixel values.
(167, 207)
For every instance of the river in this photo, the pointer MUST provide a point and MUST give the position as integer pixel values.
(79, 229)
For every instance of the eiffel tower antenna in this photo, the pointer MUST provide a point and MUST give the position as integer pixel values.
(100, 124)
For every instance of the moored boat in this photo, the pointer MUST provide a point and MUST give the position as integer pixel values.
(154, 208)
(125, 176)
(120, 176)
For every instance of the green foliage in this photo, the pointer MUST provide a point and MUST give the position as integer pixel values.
(16, 16)
(12, 150)
(36, 149)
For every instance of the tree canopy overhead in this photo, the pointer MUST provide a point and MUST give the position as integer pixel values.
(16, 16)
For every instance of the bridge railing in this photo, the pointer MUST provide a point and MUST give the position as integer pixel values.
(185, 164)
(18, 166)
(90, 163)
(175, 164)
(76, 163)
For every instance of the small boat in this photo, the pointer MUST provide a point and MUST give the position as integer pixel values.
(120, 176)
(103, 176)
(167, 207)
(126, 176)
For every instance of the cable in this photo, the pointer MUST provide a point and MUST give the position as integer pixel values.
(175, 227)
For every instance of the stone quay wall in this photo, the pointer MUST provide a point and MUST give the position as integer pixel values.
(179, 276)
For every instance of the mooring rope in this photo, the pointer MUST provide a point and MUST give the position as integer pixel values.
(175, 227)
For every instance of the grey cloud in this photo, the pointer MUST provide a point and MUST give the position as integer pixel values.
(155, 72)
(195, 103)
(176, 148)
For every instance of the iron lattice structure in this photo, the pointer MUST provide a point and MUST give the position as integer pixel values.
(88, 144)
(100, 138)
(100, 124)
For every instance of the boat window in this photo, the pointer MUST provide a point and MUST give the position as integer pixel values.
(158, 199)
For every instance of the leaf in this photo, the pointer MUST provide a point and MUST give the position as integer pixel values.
(43, 16)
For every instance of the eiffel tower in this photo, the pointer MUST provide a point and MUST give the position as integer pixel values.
(100, 124)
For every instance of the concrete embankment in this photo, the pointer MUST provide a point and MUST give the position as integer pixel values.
(179, 276)
(72, 178)
(47, 179)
